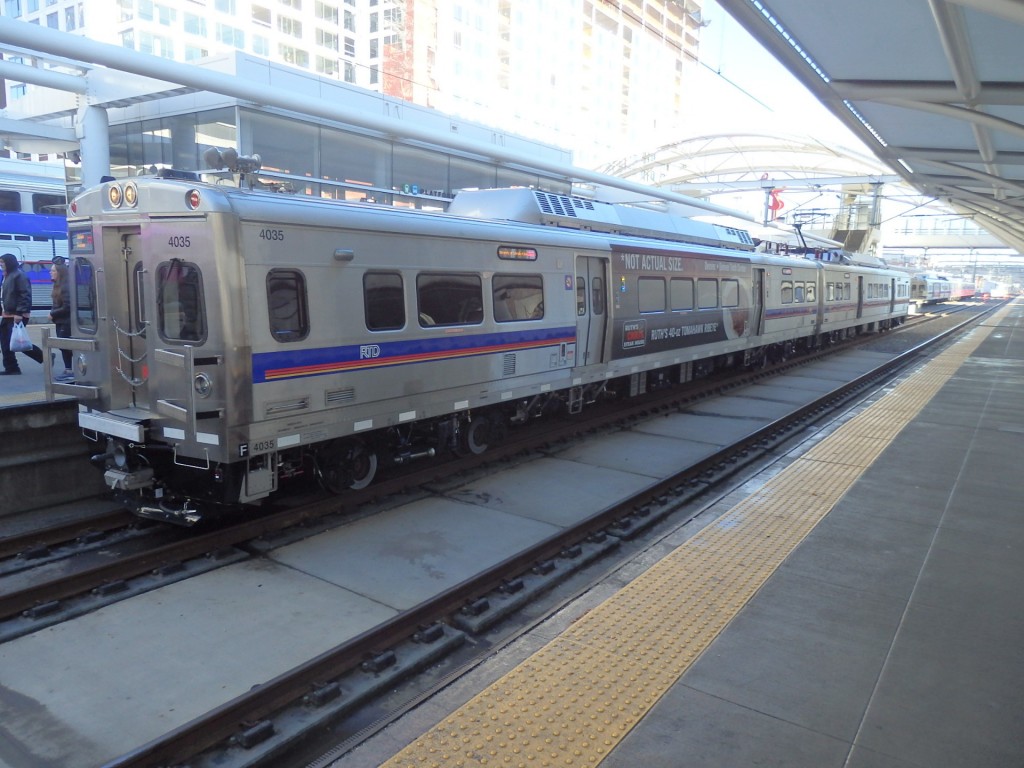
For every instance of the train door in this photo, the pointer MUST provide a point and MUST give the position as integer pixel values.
(860, 296)
(129, 319)
(591, 309)
(892, 296)
(757, 302)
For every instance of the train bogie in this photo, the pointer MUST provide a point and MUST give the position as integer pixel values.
(227, 340)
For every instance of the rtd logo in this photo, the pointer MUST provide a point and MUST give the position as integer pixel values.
(369, 351)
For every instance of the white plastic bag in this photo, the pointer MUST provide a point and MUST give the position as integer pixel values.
(20, 342)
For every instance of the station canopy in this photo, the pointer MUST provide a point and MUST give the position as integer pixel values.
(933, 87)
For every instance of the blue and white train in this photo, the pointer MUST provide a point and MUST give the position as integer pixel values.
(225, 339)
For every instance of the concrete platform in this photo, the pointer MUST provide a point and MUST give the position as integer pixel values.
(889, 636)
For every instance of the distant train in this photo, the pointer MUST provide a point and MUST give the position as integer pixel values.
(932, 289)
(226, 339)
(32, 223)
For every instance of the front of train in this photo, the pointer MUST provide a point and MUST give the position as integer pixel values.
(155, 290)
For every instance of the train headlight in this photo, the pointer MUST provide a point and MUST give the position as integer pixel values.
(203, 385)
(193, 198)
(131, 195)
(114, 195)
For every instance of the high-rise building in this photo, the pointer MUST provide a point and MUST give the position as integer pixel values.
(600, 77)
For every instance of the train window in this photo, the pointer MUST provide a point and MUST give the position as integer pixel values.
(798, 293)
(830, 292)
(787, 292)
(847, 292)
(680, 294)
(651, 292)
(10, 200)
(809, 293)
(384, 301)
(84, 301)
(597, 295)
(53, 205)
(180, 307)
(730, 293)
(517, 297)
(449, 299)
(581, 296)
(707, 293)
(287, 305)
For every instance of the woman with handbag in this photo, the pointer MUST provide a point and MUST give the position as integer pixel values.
(16, 301)
(60, 315)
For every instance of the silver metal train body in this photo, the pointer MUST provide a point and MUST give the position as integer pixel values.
(226, 339)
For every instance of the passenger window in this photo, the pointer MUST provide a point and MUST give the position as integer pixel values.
(798, 293)
(10, 200)
(707, 293)
(180, 307)
(681, 294)
(49, 204)
(847, 293)
(449, 299)
(287, 305)
(581, 297)
(730, 293)
(809, 293)
(597, 295)
(787, 292)
(383, 301)
(84, 295)
(651, 291)
(517, 297)
(830, 292)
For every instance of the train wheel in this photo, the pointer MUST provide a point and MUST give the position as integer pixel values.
(347, 465)
(475, 436)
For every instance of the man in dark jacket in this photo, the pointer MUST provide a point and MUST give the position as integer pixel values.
(16, 301)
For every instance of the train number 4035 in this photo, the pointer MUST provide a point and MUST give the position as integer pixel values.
(272, 234)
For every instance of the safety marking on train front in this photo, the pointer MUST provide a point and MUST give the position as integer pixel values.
(571, 702)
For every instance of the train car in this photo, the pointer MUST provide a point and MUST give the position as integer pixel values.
(961, 290)
(226, 339)
(32, 223)
(929, 289)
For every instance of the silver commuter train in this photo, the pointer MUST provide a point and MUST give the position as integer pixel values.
(226, 339)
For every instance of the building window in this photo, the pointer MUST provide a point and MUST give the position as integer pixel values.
(289, 26)
(260, 45)
(328, 39)
(328, 13)
(326, 66)
(350, 46)
(193, 52)
(296, 4)
(225, 6)
(261, 15)
(195, 25)
(51, 21)
(350, 72)
(230, 35)
(146, 10)
(69, 19)
(350, 21)
(12, 9)
(294, 56)
(166, 16)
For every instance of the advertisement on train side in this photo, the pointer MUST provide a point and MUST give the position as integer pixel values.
(665, 301)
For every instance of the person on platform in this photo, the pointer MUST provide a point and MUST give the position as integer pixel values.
(60, 315)
(16, 303)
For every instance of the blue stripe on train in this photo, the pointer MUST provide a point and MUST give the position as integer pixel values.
(299, 363)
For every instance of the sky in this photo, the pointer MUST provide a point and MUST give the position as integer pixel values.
(751, 91)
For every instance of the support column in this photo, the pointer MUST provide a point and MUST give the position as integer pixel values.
(93, 130)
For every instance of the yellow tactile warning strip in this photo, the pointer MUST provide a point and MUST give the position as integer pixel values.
(571, 702)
